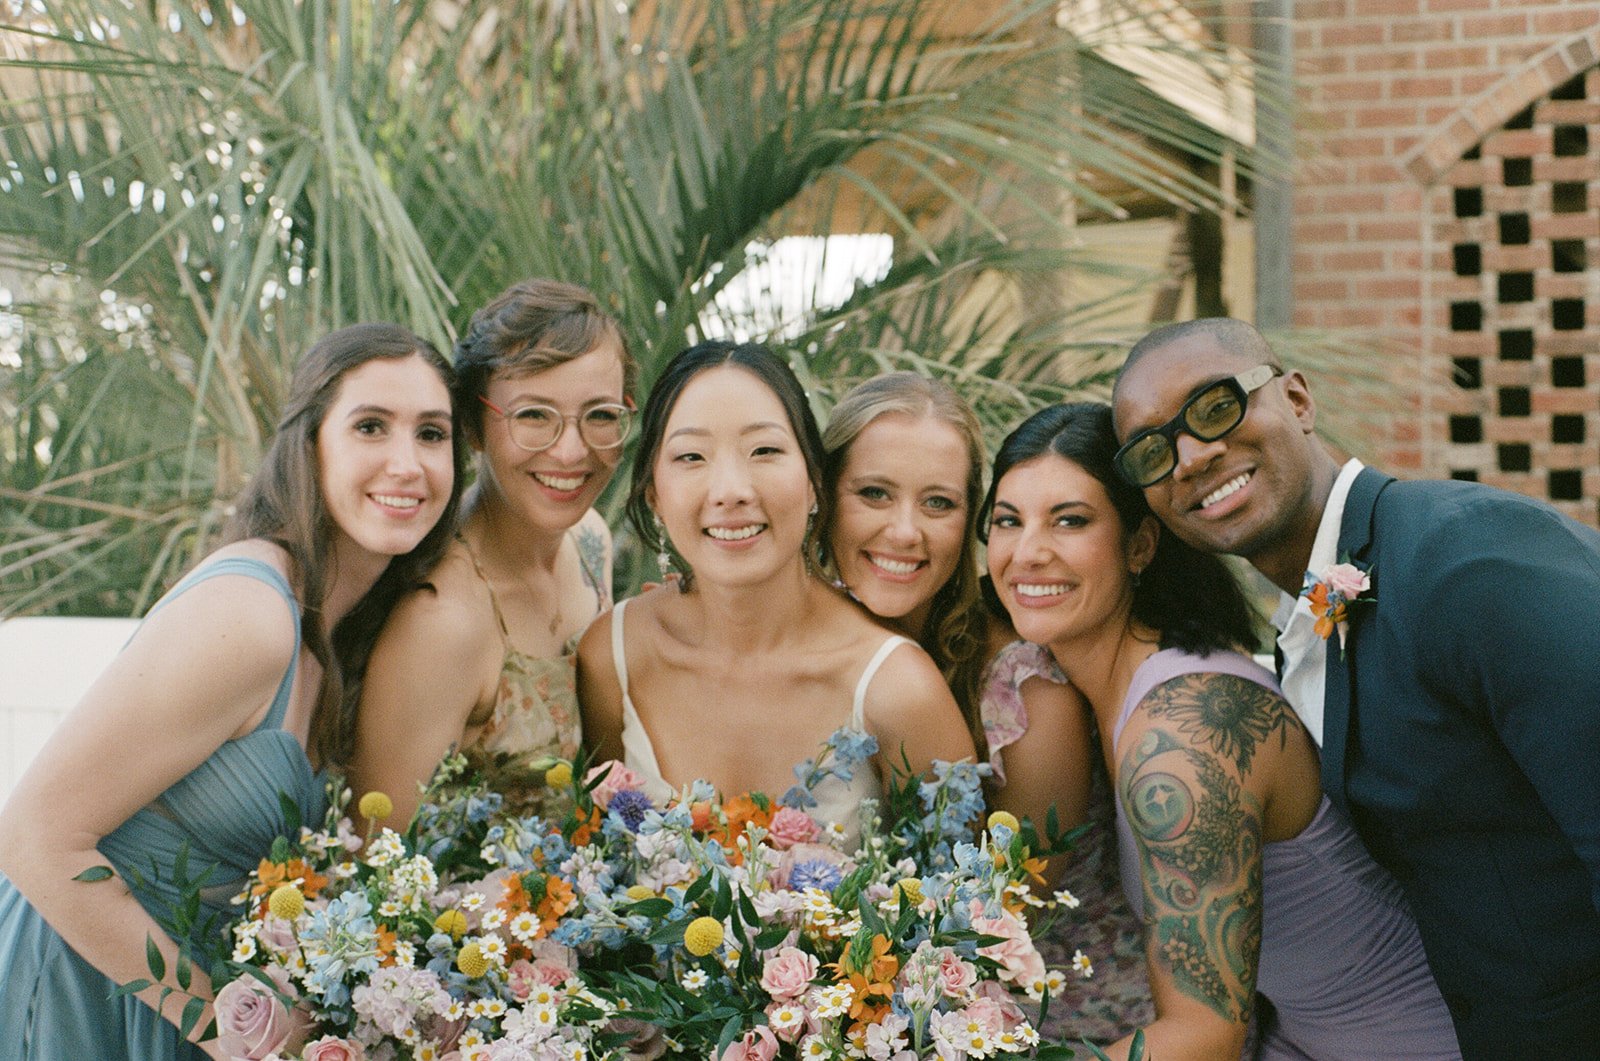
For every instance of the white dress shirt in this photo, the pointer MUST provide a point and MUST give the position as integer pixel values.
(1303, 675)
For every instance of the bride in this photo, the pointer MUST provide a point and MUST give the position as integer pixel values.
(750, 661)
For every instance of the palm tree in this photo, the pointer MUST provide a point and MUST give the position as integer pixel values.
(191, 193)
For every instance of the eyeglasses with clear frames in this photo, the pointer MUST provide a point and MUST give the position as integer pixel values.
(1211, 412)
(538, 427)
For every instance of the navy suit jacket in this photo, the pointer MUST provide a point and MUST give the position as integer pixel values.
(1462, 735)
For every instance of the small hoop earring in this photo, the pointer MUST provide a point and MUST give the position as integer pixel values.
(663, 554)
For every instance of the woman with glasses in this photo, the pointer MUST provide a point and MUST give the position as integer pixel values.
(483, 658)
(1259, 901)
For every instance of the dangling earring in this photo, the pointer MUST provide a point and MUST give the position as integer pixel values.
(663, 554)
(1136, 575)
(810, 551)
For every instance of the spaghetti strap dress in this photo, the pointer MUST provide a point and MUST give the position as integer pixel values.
(220, 819)
(535, 713)
(837, 801)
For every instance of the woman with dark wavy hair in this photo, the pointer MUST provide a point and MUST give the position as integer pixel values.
(484, 658)
(222, 704)
(905, 459)
(750, 661)
(1251, 884)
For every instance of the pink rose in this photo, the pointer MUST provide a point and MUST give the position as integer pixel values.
(788, 975)
(757, 1044)
(1347, 580)
(252, 1023)
(956, 977)
(617, 779)
(332, 1048)
(1019, 960)
(277, 935)
(792, 826)
(994, 1008)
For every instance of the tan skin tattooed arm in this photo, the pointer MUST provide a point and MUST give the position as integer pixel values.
(1195, 776)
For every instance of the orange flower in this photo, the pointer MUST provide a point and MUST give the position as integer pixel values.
(585, 830)
(273, 874)
(386, 941)
(1328, 618)
(517, 898)
(558, 899)
(873, 978)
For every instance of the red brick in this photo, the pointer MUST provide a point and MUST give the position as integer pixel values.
(1380, 288)
(1468, 344)
(1353, 202)
(1562, 21)
(1513, 429)
(1405, 458)
(1352, 260)
(1467, 173)
(1384, 60)
(1322, 289)
(1304, 262)
(1403, 198)
(1449, 58)
(1421, 87)
(1474, 83)
(1321, 230)
(1457, 288)
(1577, 168)
(1498, 373)
(1561, 285)
(1517, 143)
(1386, 117)
(1567, 112)
(1567, 226)
(1353, 89)
(1403, 144)
(1513, 53)
(1566, 344)
(1576, 400)
(1356, 146)
(1477, 27)
(1418, 32)
(1351, 316)
(1497, 259)
(1324, 63)
(1347, 33)
(1377, 172)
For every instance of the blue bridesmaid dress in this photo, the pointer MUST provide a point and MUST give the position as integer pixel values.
(224, 814)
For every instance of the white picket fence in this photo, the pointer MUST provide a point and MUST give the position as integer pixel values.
(45, 667)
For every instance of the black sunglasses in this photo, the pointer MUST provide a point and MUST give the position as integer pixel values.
(1211, 412)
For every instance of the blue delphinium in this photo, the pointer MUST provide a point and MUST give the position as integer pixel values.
(348, 938)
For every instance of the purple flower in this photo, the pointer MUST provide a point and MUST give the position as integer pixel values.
(630, 806)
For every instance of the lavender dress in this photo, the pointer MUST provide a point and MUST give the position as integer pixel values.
(1341, 960)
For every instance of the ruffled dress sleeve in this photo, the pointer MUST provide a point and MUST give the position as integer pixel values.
(1005, 719)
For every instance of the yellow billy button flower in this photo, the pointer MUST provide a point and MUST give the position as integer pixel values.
(559, 775)
(375, 805)
(703, 936)
(1006, 818)
(287, 902)
(471, 961)
(910, 889)
(452, 922)
(637, 892)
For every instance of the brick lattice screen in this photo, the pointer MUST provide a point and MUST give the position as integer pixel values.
(1516, 234)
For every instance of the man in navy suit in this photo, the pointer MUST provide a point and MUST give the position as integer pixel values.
(1457, 705)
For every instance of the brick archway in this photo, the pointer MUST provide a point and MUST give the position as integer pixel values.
(1491, 109)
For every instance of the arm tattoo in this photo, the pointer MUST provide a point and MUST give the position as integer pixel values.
(1231, 714)
(1199, 841)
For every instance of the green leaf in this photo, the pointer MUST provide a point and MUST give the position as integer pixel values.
(154, 959)
(650, 907)
(291, 813)
(183, 971)
(132, 987)
(192, 1010)
(96, 873)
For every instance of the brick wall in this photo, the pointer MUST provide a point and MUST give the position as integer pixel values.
(1448, 202)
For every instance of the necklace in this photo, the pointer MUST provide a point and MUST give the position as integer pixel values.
(514, 575)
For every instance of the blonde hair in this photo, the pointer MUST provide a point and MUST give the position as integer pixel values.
(957, 632)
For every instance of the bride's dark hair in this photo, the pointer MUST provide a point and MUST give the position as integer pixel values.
(765, 366)
(283, 504)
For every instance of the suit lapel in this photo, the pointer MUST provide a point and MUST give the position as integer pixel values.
(1339, 708)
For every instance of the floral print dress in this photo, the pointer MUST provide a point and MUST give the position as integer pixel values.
(1116, 999)
(535, 715)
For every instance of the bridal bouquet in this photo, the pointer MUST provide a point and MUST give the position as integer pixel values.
(735, 929)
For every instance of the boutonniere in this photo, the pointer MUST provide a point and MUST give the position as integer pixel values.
(1331, 594)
